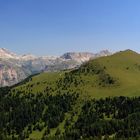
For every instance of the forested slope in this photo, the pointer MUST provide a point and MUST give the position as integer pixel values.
(99, 100)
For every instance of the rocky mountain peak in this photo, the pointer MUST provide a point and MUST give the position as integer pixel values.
(77, 56)
(103, 53)
(28, 57)
(4, 53)
(84, 56)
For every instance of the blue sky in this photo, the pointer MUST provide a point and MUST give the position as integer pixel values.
(52, 27)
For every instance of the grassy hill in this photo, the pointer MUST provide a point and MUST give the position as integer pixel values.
(123, 67)
(69, 104)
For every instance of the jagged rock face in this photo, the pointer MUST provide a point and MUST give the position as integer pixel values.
(14, 68)
(4, 53)
(79, 57)
(84, 56)
(10, 75)
(103, 53)
(27, 57)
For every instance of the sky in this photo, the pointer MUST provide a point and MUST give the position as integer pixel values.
(53, 27)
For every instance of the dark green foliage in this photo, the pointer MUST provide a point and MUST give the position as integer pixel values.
(70, 79)
(106, 79)
(91, 69)
(21, 114)
(38, 110)
(117, 116)
(57, 106)
(3, 92)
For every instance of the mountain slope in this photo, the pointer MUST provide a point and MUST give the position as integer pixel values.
(105, 76)
(87, 102)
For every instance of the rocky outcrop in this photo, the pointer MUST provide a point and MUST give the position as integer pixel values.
(10, 75)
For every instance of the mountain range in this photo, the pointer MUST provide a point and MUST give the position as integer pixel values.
(14, 68)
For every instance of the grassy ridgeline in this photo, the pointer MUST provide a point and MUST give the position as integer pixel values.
(114, 75)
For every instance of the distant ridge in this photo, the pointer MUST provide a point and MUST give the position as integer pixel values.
(14, 68)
